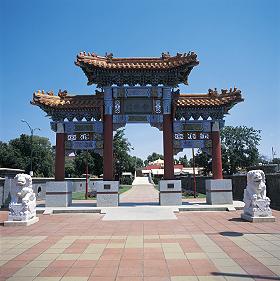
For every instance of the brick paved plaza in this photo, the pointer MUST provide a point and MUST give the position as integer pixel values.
(196, 246)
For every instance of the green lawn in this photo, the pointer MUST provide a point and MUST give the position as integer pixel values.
(81, 195)
(198, 195)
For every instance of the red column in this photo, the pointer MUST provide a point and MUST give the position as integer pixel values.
(217, 169)
(108, 148)
(168, 147)
(60, 157)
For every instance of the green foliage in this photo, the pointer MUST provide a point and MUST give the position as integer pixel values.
(153, 157)
(126, 180)
(183, 161)
(69, 167)
(239, 148)
(87, 158)
(17, 154)
(123, 162)
(202, 159)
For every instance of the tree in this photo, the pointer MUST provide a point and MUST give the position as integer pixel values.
(202, 159)
(16, 154)
(153, 157)
(70, 167)
(239, 148)
(123, 162)
(88, 158)
(184, 161)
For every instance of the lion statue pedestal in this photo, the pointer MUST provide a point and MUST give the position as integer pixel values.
(256, 203)
(23, 202)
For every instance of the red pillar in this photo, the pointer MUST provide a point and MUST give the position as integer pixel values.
(108, 174)
(168, 147)
(60, 157)
(217, 169)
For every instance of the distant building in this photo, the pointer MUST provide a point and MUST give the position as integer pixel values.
(156, 168)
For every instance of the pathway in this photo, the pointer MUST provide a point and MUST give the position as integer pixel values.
(141, 193)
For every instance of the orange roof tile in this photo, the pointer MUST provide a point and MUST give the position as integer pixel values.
(166, 70)
(211, 99)
(63, 101)
(164, 62)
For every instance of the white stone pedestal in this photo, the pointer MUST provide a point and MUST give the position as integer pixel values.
(107, 193)
(58, 194)
(21, 223)
(257, 219)
(170, 192)
(218, 191)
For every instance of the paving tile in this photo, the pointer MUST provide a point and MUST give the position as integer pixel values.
(75, 278)
(184, 278)
(131, 268)
(54, 271)
(79, 272)
(152, 278)
(101, 271)
(211, 278)
(62, 263)
(84, 263)
(16, 278)
(129, 278)
(101, 278)
(47, 279)
(194, 256)
(89, 257)
(269, 261)
(28, 271)
(155, 268)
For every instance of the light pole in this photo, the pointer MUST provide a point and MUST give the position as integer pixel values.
(31, 144)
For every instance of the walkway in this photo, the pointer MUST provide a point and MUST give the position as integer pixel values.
(141, 193)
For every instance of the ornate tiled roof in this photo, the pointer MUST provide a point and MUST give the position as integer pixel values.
(166, 70)
(65, 101)
(65, 106)
(211, 99)
(212, 104)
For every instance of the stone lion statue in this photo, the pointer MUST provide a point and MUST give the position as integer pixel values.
(23, 199)
(255, 199)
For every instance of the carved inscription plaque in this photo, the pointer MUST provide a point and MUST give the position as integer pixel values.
(138, 106)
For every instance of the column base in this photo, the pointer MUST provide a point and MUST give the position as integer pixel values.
(107, 193)
(170, 193)
(58, 194)
(218, 192)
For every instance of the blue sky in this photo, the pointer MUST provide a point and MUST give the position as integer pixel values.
(237, 43)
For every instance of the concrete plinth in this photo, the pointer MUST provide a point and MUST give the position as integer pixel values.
(170, 192)
(21, 223)
(107, 194)
(218, 191)
(257, 219)
(58, 194)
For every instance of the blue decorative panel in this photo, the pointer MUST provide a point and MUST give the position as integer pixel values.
(83, 145)
(192, 126)
(137, 91)
(83, 126)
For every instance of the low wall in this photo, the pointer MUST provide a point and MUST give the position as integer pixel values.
(39, 187)
(239, 183)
